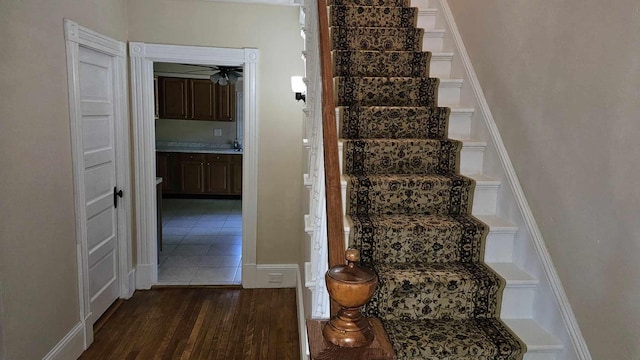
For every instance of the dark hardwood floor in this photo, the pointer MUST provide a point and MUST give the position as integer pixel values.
(201, 323)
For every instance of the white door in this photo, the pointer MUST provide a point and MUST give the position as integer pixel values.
(96, 80)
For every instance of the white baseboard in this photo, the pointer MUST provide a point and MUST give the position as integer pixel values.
(302, 320)
(132, 283)
(265, 276)
(70, 347)
(143, 275)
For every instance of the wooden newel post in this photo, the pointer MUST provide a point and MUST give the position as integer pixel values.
(351, 287)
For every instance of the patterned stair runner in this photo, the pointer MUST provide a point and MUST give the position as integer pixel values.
(409, 205)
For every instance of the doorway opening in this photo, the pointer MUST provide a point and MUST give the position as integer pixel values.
(198, 143)
(219, 209)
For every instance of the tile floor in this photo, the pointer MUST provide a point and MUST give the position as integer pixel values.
(202, 242)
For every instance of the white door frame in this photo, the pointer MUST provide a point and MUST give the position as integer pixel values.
(142, 57)
(77, 36)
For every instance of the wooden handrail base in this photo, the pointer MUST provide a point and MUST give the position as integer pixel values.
(320, 349)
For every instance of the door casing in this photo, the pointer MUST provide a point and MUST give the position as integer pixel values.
(142, 56)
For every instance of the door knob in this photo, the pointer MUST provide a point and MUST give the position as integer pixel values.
(116, 194)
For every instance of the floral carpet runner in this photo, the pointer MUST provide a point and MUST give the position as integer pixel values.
(409, 205)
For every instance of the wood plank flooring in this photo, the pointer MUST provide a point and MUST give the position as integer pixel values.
(201, 323)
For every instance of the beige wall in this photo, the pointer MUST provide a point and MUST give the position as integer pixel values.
(275, 31)
(563, 82)
(37, 229)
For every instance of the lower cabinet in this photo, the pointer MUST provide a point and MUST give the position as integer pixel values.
(200, 174)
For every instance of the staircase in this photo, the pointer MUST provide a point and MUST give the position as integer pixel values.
(463, 153)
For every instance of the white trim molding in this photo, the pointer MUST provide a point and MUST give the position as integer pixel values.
(536, 239)
(70, 347)
(142, 57)
(77, 36)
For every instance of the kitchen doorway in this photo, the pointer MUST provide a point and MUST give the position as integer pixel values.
(198, 130)
(143, 56)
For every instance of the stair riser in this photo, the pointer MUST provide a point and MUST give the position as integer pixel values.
(517, 302)
(373, 16)
(449, 93)
(427, 19)
(440, 66)
(499, 247)
(535, 355)
(471, 159)
(460, 125)
(485, 199)
(421, 4)
(432, 41)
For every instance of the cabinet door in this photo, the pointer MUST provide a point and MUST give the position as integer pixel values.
(166, 169)
(173, 98)
(225, 98)
(217, 174)
(201, 92)
(235, 175)
(192, 174)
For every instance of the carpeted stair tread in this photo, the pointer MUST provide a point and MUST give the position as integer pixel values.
(455, 290)
(456, 339)
(418, 238)
(375, 38)
(381, 63)
(400, 156)
(430, 194)
(386, 91)
(369, 122)
(401, 3)
(372, 16)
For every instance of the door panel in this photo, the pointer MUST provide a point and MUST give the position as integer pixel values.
(97, 122)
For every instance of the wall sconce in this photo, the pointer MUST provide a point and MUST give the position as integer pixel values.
(299, 88)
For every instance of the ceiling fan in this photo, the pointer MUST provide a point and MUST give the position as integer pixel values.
(221, 75)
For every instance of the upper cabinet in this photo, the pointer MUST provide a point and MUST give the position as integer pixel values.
(195, 99)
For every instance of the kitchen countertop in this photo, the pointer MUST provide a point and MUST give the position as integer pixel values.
(198, 148)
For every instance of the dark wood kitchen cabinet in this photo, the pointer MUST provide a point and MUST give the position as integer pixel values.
(172, 97)
(225, 102)
(200, 174)
(195, 99)
(217, 174)
(192, 173)
(235, 175)
(166, 163)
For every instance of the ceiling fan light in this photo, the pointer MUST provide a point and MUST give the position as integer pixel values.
(215, 77)
(233, 77)
(223, 81)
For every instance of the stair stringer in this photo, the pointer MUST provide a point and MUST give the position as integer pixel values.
(551, 307)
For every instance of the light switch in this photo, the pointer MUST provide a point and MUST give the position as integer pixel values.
(217, 132)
